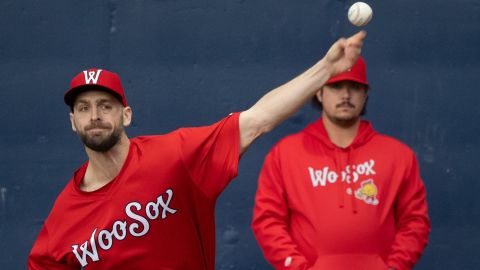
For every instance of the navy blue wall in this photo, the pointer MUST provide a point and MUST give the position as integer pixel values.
(191, 62)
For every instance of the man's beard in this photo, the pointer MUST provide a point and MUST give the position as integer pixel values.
(344, 121)
(101, 144)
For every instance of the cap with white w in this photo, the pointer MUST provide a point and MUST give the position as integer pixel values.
(95, 79)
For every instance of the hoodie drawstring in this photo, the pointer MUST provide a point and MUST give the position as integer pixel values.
(341, 186)
(353, 185)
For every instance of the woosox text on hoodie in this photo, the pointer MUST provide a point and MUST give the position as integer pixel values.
(350, 174)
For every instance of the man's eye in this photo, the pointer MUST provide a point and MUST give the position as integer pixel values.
(357, 87)
(83, 108)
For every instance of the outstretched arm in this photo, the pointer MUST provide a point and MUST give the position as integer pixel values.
(278, 104)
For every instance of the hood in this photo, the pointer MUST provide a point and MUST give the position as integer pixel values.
(317, 130)
(341, 156)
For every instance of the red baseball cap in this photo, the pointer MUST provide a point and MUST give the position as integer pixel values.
(95, 79)
(358, 73)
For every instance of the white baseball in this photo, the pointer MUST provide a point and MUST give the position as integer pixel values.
(360, 13)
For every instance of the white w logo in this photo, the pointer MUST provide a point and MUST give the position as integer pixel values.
(91, 76)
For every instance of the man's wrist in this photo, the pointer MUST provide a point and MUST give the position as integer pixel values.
(327, 66)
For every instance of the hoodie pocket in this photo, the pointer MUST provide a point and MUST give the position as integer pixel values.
(349, 262)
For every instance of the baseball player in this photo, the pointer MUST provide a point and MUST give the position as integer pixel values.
(338, 195)
(148, 202)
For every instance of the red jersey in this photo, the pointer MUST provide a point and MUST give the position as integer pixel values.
(157, 214)
(319, 206)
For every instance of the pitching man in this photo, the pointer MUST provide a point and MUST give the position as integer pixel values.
(148, 202)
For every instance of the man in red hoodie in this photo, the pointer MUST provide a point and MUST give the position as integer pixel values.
(338, 195)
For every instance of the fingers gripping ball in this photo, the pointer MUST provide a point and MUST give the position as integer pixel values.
(360, 14)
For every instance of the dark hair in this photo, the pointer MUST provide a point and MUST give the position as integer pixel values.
(318, 105)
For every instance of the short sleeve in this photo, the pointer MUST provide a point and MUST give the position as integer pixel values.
(211, 154)
(41, 259)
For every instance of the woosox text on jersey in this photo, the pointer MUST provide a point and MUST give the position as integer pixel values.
(349, 174)
(119, 228)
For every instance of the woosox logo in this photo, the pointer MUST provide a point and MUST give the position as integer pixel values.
(350, 174)
(105, 237)
(91, 76)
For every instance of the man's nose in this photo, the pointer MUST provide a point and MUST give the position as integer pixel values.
(345, 92)
(95, 114)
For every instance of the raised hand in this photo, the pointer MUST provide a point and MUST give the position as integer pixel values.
(342, 54)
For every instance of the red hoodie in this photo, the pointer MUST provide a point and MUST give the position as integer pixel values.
(319, 206)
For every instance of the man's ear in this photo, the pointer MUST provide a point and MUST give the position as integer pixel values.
(366, 94)
(72, 123)
(319, 95)
(127, 116)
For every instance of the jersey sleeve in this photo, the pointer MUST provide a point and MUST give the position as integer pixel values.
(270, 220)
(411, 217)
(40, 257)
(211, 154)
